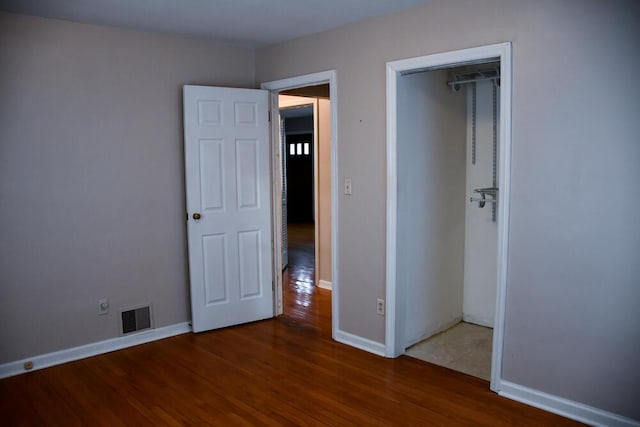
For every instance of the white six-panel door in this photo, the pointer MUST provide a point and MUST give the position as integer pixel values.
(228, 204)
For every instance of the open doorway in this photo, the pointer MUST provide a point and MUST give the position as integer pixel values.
(305, 133)
(299, 140)
(304, 199)
(448, 197)
(453, 152)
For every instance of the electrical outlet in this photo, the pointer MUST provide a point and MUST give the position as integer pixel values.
(380, 306)
(103, 306)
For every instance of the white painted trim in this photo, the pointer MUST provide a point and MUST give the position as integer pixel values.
(335, 188)
(359, 342)
(434, 331)
(565, 407)
(81, 352)
(316, 191)
(324, 284)
(504, 212)
(276, 203)
(302, 81)
(487, 322)
(394, 345)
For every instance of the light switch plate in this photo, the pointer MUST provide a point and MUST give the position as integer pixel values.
(347, 186)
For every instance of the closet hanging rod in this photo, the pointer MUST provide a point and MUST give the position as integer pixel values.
(452, 83)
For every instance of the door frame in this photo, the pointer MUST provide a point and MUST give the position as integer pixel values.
(275, 87)
(395, 304)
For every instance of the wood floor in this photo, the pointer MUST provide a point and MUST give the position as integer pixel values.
(284, 371)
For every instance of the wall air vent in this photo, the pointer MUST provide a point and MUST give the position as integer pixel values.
(135, 320)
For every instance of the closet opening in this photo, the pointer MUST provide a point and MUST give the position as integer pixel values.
(446, 220)
(448, 213)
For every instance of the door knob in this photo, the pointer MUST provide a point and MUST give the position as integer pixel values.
(196, 216)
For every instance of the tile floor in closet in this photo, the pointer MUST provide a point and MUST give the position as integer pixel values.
(464, 347)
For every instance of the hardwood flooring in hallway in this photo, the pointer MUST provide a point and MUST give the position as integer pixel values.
(302, 300)
(282, 371)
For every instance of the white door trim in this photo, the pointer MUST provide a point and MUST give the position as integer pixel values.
(316, 193)
(293, 83)
(395, 306)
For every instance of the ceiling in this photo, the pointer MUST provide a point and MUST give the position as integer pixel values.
(248, 23)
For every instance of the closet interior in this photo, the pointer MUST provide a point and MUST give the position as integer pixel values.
(447, 238)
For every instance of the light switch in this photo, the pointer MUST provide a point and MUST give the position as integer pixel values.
(347, 186)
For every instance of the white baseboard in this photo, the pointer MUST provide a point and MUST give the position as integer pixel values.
(476, 320)
(433, 330)
(359, 342)
(325, 285)
(68, 355)
(566, 408)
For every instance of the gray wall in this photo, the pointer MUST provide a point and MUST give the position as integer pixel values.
(431, 152)
(574, 255)
(91, 179)
(91, 176)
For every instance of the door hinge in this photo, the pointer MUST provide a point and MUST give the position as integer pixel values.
(269, 115)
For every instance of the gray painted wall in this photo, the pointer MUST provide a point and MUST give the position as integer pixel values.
(91, 179)
(431, 150)
(574, 250)
(92, 176)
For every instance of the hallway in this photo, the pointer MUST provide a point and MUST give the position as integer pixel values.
(303, 301)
